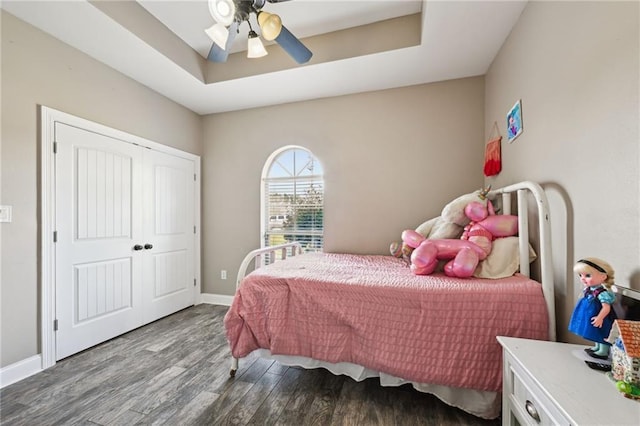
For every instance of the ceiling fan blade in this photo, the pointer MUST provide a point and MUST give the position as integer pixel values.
(218, 54)
(293, 46)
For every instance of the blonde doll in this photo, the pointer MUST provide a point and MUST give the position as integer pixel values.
(593, 316)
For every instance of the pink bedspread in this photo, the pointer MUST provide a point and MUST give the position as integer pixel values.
(372, 311)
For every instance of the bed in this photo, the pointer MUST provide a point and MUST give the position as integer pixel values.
(370, 316)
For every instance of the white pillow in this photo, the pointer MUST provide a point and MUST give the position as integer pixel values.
(504, 259)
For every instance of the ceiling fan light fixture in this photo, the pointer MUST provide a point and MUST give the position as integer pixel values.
(255, 48)
(270, 25)
(219, 34)
(223, 11)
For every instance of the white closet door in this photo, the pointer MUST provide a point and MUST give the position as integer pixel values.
(98, 221)
(125, 247)
(169, 238)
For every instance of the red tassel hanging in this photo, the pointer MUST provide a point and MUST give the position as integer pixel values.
(492, 157)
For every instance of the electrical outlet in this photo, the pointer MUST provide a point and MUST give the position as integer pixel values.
(5, 213)
(223, 274)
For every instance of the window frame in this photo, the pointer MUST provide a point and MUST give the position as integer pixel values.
(264, 202)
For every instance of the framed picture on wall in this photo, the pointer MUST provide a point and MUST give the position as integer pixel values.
(514, 121)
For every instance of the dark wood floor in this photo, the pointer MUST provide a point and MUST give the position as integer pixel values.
(176, 372)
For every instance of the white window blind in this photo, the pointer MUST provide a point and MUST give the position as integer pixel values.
(293, 197)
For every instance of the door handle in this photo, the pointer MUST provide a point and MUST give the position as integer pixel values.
(137, 247)
(148, 246)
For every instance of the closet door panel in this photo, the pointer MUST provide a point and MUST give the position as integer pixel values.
(169, 220)
(98, 221)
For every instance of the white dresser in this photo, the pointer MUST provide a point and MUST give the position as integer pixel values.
(545, 383)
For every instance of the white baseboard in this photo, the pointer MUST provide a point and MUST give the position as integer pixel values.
(20, 370)
(216, 299)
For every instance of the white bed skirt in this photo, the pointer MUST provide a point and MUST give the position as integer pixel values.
(484, 404)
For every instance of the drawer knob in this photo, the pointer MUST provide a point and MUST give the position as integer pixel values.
(531, 409)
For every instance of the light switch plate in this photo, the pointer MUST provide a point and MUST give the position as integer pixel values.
(5, 213)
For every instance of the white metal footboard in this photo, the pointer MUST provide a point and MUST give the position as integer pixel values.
(258, 257)
(523, 190)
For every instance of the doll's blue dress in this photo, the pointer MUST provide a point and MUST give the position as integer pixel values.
(588, 307)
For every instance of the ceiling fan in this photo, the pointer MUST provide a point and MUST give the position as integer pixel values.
(230, 14)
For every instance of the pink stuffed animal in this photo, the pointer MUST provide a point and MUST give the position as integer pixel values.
(464, 253)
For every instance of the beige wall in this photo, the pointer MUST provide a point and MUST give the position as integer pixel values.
(39, 70)
(575, 67)
(388, 158)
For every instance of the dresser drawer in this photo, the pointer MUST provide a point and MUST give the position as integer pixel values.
(528, 404)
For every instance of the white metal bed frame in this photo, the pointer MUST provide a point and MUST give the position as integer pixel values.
(523, 190)
(259, 256)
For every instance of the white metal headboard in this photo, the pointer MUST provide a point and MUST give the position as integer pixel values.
(523, 191)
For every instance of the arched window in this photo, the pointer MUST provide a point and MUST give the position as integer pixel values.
(293, 199)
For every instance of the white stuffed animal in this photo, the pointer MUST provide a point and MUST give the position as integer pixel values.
(449, 224)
